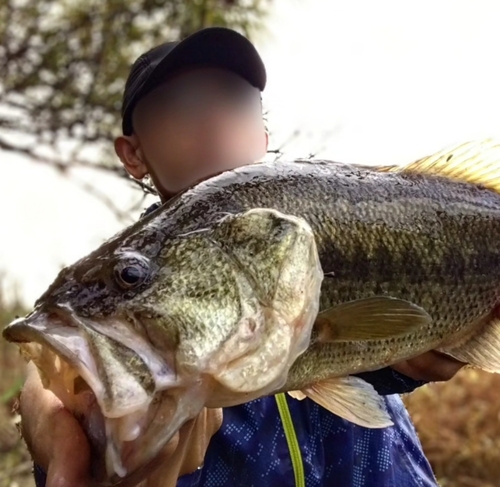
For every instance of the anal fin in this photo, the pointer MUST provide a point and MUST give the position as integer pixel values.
(482, 350)
(350, 398)
(299, 395)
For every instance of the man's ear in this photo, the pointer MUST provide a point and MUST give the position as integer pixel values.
(127, 148)
(261, 148)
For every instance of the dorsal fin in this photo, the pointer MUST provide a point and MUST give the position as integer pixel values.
(475, 162)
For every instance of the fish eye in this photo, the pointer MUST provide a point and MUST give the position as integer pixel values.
(131, 274)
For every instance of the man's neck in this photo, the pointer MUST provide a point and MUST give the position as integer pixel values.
(166, 195)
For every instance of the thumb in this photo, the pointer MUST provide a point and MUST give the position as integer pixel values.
(69, 462)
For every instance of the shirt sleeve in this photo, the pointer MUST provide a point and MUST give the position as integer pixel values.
(40, 476)
(388, 381)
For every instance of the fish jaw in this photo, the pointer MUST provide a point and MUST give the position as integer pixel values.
(127, 422)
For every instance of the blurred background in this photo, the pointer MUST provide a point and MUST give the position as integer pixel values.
(350, 80)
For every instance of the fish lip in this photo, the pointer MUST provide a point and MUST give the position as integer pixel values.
(41, 328)
(29, 328)
(23, 329)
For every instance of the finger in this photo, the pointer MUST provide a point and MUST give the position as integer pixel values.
(430, 367)
(162, 470)
(69, 460)
(196, 438)
(190, 448)
(36, 407)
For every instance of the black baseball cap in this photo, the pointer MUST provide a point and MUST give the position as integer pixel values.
(213, 46)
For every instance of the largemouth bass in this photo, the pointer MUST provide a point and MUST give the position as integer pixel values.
(272, 278)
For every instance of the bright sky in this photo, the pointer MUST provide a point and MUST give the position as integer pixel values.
(383, 81)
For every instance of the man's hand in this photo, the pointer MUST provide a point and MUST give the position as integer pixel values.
(55, 439)
(430, 367)
(404, 377)
(58, 444)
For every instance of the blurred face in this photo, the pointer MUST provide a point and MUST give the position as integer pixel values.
(197, 124)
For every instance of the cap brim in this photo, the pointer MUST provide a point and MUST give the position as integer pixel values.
(216, 47)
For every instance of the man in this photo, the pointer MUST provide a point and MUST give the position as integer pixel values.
(190, 110)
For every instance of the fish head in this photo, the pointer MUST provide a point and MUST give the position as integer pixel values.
(143, 333)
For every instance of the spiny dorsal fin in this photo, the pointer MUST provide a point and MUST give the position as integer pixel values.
(475, 162)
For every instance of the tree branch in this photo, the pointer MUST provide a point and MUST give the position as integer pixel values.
(64, 68)
(64, 167)
(121, 216)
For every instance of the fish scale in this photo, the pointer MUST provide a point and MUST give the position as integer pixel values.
(233, 272)
(429, 240)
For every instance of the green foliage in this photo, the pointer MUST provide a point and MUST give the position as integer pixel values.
(15, 464)
(64, 63)
(11, 363)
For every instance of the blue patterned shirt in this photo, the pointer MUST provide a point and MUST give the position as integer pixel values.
(251, 450)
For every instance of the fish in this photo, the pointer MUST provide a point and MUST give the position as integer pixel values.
(272, 278)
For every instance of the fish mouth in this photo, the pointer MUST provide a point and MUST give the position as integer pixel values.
(91, 366)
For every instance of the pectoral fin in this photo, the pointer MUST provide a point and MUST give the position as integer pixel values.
(350, 398)
(475, 162)
(372, 318)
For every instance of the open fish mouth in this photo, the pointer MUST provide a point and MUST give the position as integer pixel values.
(128, 398)
(133, 382)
